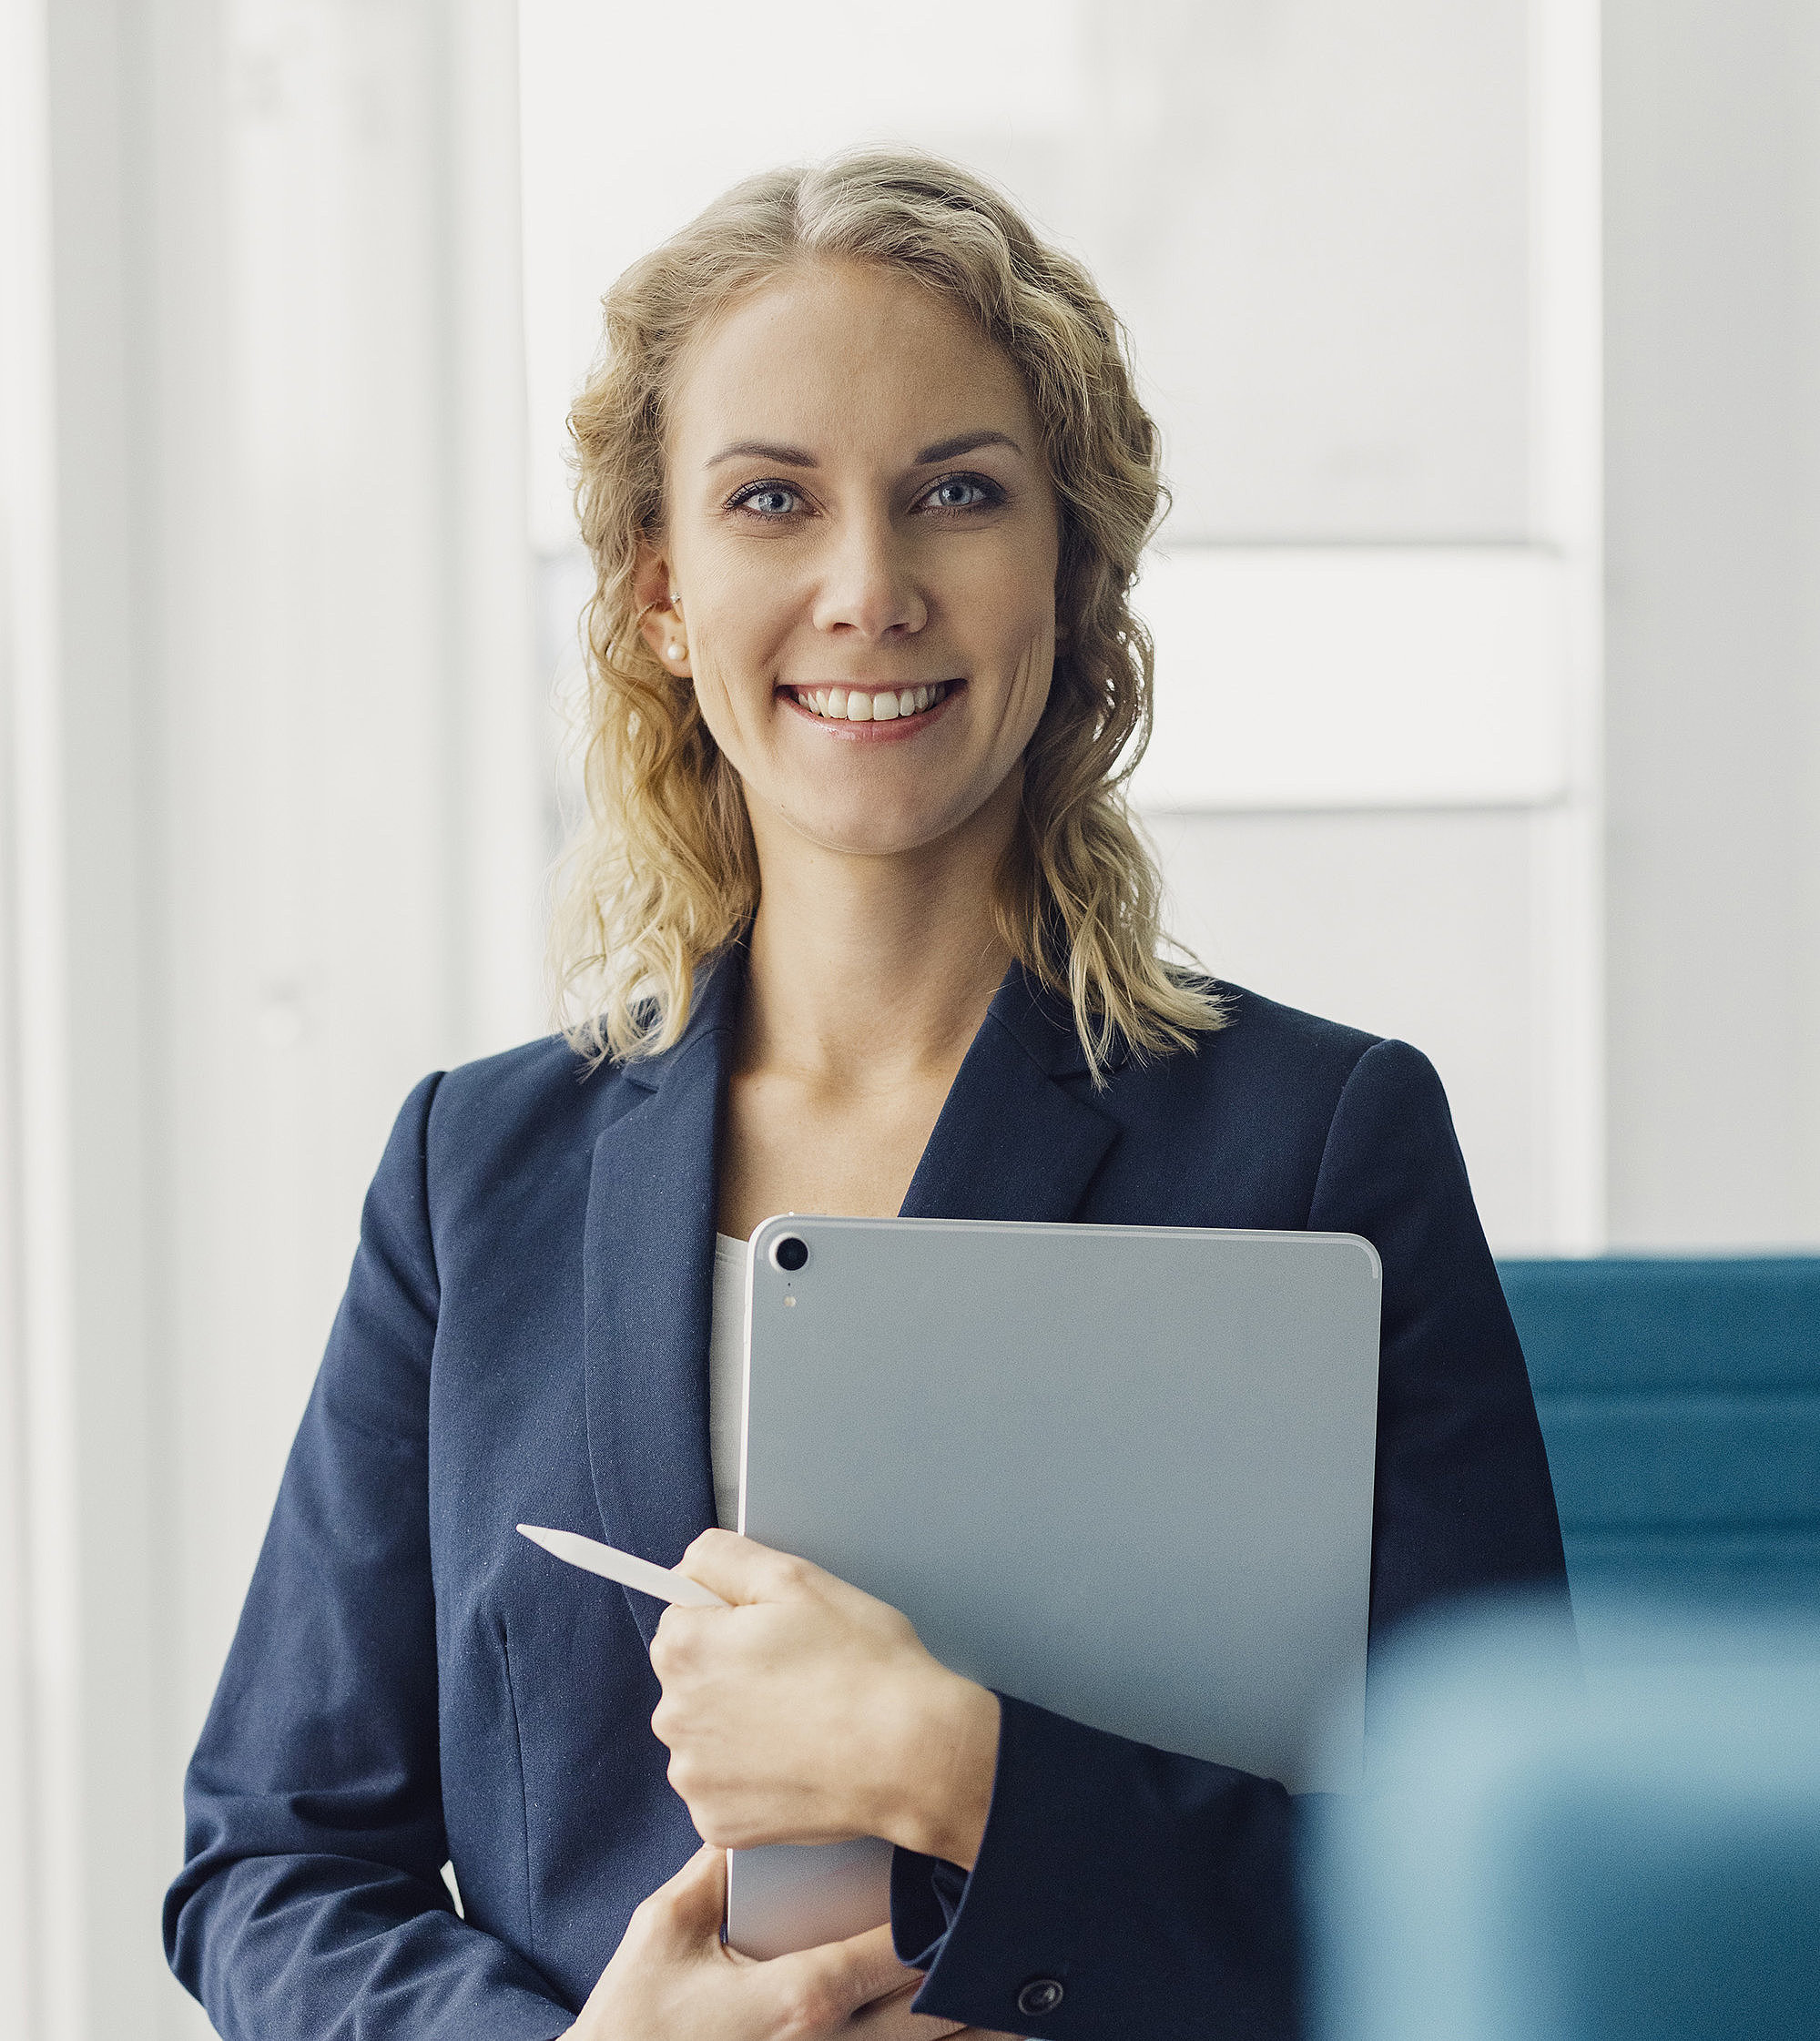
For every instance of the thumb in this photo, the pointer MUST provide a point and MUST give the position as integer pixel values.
(742, 1571)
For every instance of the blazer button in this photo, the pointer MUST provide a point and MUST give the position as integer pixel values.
(1040, 1996)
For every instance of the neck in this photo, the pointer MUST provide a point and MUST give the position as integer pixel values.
(867, 971)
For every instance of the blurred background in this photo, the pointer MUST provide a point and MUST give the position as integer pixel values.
(1485, 341)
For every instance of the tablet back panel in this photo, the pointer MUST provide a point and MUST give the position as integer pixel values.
(1122, 1472)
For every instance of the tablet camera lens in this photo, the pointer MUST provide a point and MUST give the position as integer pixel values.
(789, 1254)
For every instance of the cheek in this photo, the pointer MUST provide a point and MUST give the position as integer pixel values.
(725, 642)
(732, 604)
(1018, 611)
(733, 649)
(1033, 677)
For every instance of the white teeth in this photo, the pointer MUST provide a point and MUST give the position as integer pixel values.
(854, 705)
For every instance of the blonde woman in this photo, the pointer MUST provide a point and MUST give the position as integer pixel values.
(858, 924)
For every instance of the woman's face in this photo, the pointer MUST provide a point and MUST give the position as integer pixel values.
(864, 539)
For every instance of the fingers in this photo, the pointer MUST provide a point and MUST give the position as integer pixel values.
(740, 1569)
(890, 2019)
(873, 1966)
(675, 1638)
(839, 1977)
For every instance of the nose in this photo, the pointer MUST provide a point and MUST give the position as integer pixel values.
(867, 584)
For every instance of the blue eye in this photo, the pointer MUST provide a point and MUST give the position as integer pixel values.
(960, 493)
(769, 499)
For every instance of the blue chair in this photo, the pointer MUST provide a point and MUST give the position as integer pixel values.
(1681, 1404)
(1630, 1858)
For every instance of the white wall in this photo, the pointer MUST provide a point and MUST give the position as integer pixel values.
(1314, 215)
(1468, 993)
(277, 770)
(1712, 381)
(354, 741)
(78, 1337)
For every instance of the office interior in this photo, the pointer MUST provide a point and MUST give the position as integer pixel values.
(1486, 344)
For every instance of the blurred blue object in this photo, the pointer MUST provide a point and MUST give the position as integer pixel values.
(1633, 1857)
(1681, 1404)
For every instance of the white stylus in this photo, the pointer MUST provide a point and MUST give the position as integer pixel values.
(626, 1568)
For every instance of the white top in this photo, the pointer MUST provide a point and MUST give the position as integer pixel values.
(726, 1375)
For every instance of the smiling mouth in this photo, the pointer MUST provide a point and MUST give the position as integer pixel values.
(870, 704)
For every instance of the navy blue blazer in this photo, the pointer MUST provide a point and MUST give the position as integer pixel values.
(525, 1335)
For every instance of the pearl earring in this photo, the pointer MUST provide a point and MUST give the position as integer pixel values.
(675, 651)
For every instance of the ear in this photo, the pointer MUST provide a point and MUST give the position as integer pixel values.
(660, 617)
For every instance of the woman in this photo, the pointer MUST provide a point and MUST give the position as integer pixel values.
(859, 925)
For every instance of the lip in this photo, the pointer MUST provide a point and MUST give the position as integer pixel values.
(900, 730)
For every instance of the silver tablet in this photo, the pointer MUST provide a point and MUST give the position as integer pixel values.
(1124, 1472)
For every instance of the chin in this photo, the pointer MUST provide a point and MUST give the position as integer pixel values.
(868, 830)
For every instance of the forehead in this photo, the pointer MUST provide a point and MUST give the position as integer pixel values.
(840, 351)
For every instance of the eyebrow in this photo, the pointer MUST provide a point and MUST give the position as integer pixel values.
(763, 450)
(964, 443)
(799, 457)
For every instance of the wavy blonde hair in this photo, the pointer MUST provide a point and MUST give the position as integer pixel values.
(662, 876)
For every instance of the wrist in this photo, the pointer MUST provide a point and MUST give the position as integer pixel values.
(950, 1759)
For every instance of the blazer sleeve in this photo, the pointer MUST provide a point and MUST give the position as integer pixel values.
(1123, 1890)
(312, 1903)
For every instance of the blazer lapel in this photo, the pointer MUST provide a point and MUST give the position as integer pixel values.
(648, 1286)
(1018, 1137)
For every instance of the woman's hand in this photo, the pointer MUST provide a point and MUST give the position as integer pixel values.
(809, 1712)
(672, 1979)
